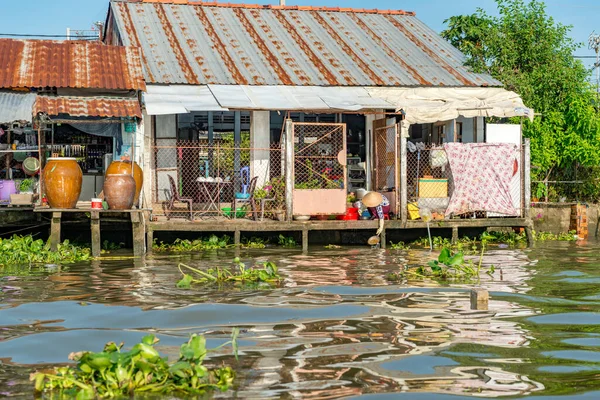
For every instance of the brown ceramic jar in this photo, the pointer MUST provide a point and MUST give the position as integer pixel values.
(124, 167)
(62, 182)
(119, 191)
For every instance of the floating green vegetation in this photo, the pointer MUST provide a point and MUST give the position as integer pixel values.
(266, 272)
(287, 242)
(473, 245)
(185, 246)
(449, 266)
(399, 246)
(107, 245)
(24, 250)
(254, 243)
(117, 373)
(333, 247)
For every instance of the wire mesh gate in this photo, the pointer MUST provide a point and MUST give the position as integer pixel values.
(386, 168)
(320, 177)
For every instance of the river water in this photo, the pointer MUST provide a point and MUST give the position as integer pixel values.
(334, 329)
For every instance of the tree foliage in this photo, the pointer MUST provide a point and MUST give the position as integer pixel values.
(532, 54)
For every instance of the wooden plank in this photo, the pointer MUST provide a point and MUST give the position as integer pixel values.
(96, 237)
(55, 230)
(274, 226)
(88, 210)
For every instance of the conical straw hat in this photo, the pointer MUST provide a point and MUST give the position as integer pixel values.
(372, 199)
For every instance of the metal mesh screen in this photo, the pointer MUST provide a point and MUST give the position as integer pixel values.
(213, 177)
(318, 150)
(386, 158)
(431, 184)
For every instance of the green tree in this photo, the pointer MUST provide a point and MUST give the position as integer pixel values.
(531, 54)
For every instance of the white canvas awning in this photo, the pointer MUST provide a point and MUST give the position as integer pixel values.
(179, 99)
(16, 107)
(420, 105)
(429, 105)
(297, 98)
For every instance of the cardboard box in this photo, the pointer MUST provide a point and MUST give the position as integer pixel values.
(21, 199)
(433, 188)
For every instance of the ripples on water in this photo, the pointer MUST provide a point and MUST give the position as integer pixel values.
(336, 328)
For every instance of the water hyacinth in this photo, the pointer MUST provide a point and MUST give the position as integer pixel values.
(25, 251)
(117, 373)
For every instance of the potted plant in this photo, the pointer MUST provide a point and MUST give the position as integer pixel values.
(25, 197)
(275, 191)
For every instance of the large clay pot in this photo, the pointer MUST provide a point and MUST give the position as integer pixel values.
(119, 191)
(124, 167)
(62, 182)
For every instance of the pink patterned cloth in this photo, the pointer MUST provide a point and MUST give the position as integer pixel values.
(482, 173)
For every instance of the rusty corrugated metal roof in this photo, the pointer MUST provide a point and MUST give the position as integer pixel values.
(16, 106)
(88, 106)
(69, 64)
(190, 42)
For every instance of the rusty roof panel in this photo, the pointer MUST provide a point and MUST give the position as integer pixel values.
(69, 64)
(189, 42)
(113, 107)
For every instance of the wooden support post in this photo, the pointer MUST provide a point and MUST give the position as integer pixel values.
(529, 233)
(237, 237)
(479, 299)
(139, 236)
(96, 240)
(403, 175)
(149, 241)
(383, 239)
(289, 169)
(55, 230)
(454, 234)
(305, 240)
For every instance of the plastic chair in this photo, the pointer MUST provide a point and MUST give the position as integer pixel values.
(250, 200)
(245, 179)
(176, 197)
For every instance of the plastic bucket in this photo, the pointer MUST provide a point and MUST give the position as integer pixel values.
(97, 204)
(31, 166)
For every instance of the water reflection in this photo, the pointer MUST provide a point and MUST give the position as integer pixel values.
(336, 327)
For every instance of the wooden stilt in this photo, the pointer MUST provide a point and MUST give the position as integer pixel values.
(55, 230)
(96, 239)
(305, 240)
(383, 239)
(454, 234)
(529, 233)
(237, 238)
(479, 299)
(139, 238)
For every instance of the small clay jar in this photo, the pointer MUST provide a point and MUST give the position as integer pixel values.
(119, 191)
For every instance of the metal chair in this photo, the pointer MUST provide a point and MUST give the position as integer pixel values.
(176, 197)
(250, 200)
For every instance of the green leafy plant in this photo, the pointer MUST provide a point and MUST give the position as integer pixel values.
(24, 250)
(333, 246)
(399, 246)
(266, 272)
(117, 373)
(287, 242)
(254, 243)
(26, 185)
(111, 246)
(186, 246)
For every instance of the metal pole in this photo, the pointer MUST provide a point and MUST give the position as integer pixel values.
(403, 174)
(289, 169)
(237, 144)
